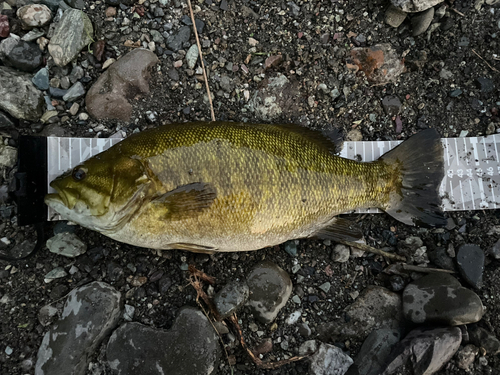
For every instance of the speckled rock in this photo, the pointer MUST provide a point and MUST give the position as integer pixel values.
(426, 350)
(18, 96)
(66, 244)
(190, 347)
(232, 296)
(329, 360)
(270, 288)
(421, 22)
(8, 156)
(470, 261)
(89, 314)
(410, 6)
(439, 298)
(34, 15)
(394, 16)
(73, 32)
(19, 54)
(109, 97)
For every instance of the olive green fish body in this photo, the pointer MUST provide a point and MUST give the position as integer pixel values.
(228, 186)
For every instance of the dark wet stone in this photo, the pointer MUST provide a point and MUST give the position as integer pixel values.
(176, 40)
(126, 78)
(56, 92)
(439, 298)
(164, 284)
(173, 74)
(291, 248)
(394, 16)
(485, 84)
(90, 313)
(58, 291)
(223, 5)
(440, 258)
(397, 283)
(77, 4)
(4, 26)
(455, 93)
(24, 56)
(495, 250)
(483, 339)
(115, 272)
(230, 298)
(52, 4)
(447, 23)
(374, 351)
(470, 261)
(425, 350)
(190, 347)
(375, 308)
(421, 22)
(74, 92)
(41, 79)
(270, 288)
(62, 226)
(18, 96)
(5, 121)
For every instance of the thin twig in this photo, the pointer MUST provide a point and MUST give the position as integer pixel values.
(258, 362)
(202, 275)
(456, 11)
(201, 59)
(486, 62)
(370, 249)
(409, 267)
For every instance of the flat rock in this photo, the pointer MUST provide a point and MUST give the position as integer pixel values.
(380, 63)
(4, 26)
(374, 352)
(18, 96)
(90, 313)
(270, 288)
(329, 360)
(439, 298)
(34, 15)
(74, 92)
(109, 97)
(394, 16)
(411, 6)
(426, 349)
(231, 297)
(73, 32)
(190, 347)
(192, 56)
(483, 339)
(375, 308)
(177, 39)
(421, 22)
(66, 244)
(470, 261)
(8, 156)
(41, 79)
(19, 54)
(391, 105)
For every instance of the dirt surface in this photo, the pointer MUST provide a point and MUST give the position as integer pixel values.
(314, 44)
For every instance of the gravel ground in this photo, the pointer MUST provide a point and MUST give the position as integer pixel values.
(314, 39)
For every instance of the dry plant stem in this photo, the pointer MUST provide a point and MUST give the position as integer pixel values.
(370, 249)
(409, 267)
(200, 274)
(486, 62)
(258, 362)
(201, 59)
(456, 11)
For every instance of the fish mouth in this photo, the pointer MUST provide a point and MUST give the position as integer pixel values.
(67, 197)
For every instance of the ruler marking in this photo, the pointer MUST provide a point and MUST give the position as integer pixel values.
(446, 150)
(462, 193)
(485, 151)
(472, 194)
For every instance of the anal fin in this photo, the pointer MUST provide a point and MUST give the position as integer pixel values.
(193, 248)
(340, 230)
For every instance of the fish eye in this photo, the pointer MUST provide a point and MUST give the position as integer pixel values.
(79, 173)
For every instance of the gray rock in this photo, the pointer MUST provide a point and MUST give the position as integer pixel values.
(56, 273)
(466, 356)
(426, 349)
(270, 288)
(176, 40)
(391, 105)
(75, 92)
(340, 253)
(19, 54)
(73, 32)
(374, 352)
(483, 339)
(8, 156)
(375, 308)
(421, 22)
(33, 35)
(411, 6)
(41, 79)
(52, 4)
(65, 84)
(18, 96)
(329, 360)
(77, 4)
(226, 83)
(157, 37)
(190, 347)
(485, 84)
(470, 261)
(192, 56)
(89, 314)
(34, 15)
(230, 298)
(47, 315)
(5, 121)
(394, 16)
(66, 244)
(76, 74)
(439, 298)
(123, 80)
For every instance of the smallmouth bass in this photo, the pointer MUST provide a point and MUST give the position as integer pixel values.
(226, 186)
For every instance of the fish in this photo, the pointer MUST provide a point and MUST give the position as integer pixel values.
(228, 186)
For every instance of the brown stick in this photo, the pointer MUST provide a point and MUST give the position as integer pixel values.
(486, 62)
(258, 362)
(456, 11)
(201, 59)
(200, 274)
(370, 249)
(409, 267)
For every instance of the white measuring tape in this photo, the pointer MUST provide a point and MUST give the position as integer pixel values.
(471, 180)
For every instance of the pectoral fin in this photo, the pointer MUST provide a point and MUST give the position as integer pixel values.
(193, 248)
(186, 201)
(340, 230)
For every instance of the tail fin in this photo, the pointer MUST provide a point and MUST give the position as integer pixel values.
(419, 161)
